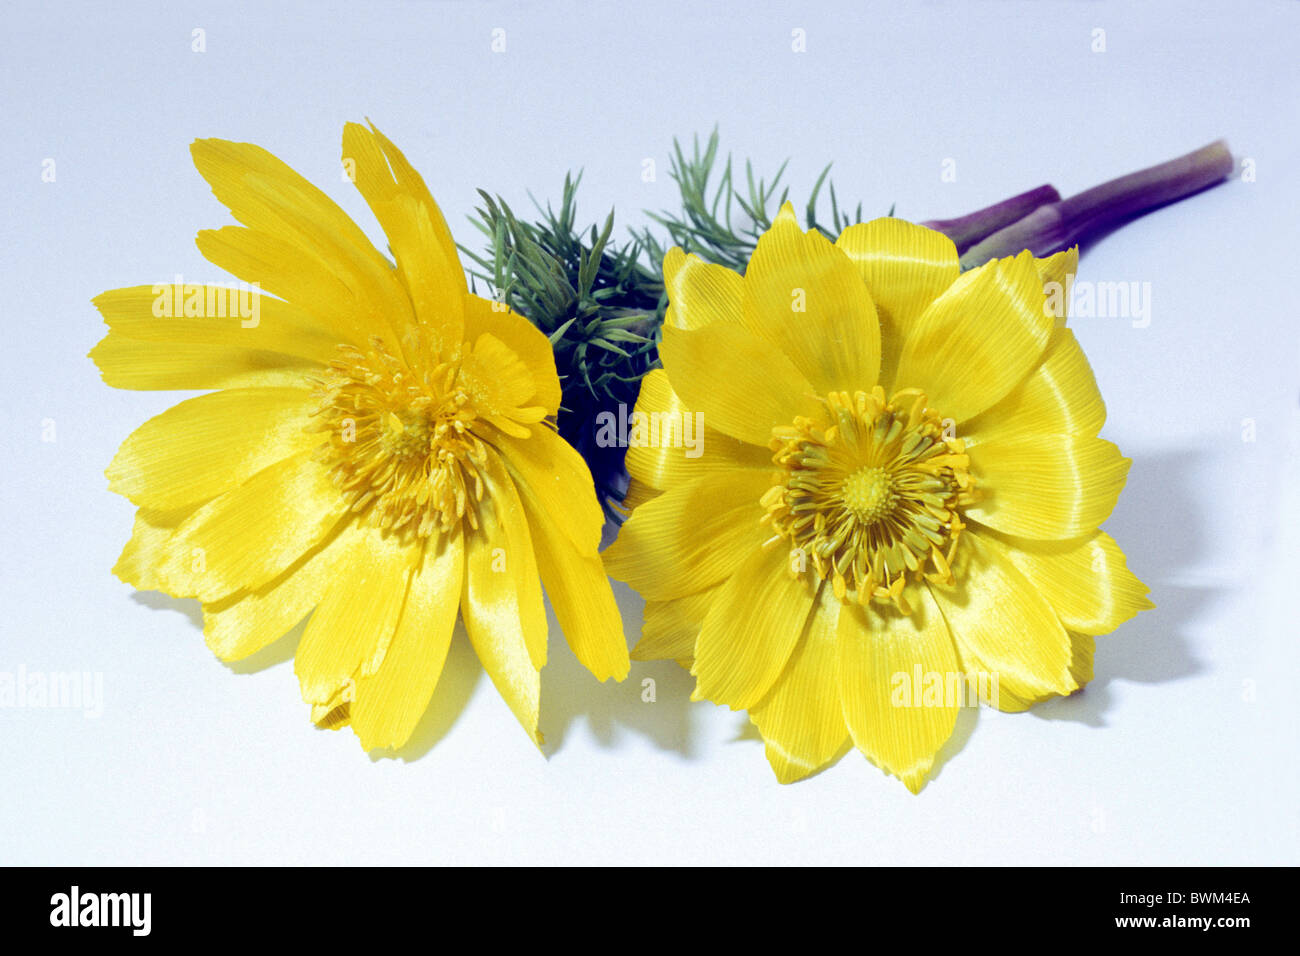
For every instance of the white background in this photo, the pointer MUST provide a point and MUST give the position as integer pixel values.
(1182, 751)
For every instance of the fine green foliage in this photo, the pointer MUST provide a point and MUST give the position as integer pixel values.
(601, 306)
(602, 303)
(722, 224)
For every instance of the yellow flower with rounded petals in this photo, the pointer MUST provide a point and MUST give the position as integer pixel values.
(375, 451)
(894, 512)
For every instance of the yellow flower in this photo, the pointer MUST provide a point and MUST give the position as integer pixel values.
(895, 508)
(376, 453)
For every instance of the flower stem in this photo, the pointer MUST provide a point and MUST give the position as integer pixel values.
(1093, 213)
(966, 231)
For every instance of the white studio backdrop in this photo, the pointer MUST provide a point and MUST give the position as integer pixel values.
(1181, 751)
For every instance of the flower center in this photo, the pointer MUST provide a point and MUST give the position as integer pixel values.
(400, 443)
(873, 500)
(869, 494)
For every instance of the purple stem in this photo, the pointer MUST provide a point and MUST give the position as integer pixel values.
(967, 230)
(1059, 225)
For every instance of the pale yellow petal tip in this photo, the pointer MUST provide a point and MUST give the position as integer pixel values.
(787, 216)
(698, 694)
(733, 705)
(380, 745)
(204, 146)
(609, 666)
(130, 569)
(914, 778)
(788, 768)
(220, 646)
(126, 571)
(674, 259)
(917, 780)
(123, 572)
(1144, 603)
(1062, 263)
(96, 355)
(617, 670)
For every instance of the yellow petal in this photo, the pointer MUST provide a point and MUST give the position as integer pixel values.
(1083, 648)
(806, 298)
(179, 366)
(429, 267)
(740, 383)
(669, 628)
(335, 713)
(978, 339)
(503, 526)
(637, 494)
(252, 533)
(900, 686)
(751, 630)
(144, 553)
(1061, 487)
(1057, 275)
(409, 182)
(436, 285)
(247, 621)
(577, 586)
(266, 195)
(691, 536)
(208, 445)
(297, 275)
(800, 718)
(352, 627)
(389, 703)
(525, 340)
(906, 267)
(1003, 628)
(558, 480)
(685, 448)
(1086, 580)
(489, 607)
(699, 292)
(237, 318)
(1060, 397)
(498, 384)
(584, 605)
(1054, 269)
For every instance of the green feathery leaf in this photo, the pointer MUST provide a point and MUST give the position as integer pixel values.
(601, 304)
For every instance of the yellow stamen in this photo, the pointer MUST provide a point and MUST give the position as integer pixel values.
(400, 443)
(872, 500)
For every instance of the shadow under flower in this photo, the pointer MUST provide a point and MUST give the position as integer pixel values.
(1155, 525)
(460, 674)
(654, 701)
(157, 601)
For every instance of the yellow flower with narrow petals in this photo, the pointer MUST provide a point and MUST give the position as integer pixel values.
(894, 512)
(375, 451)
